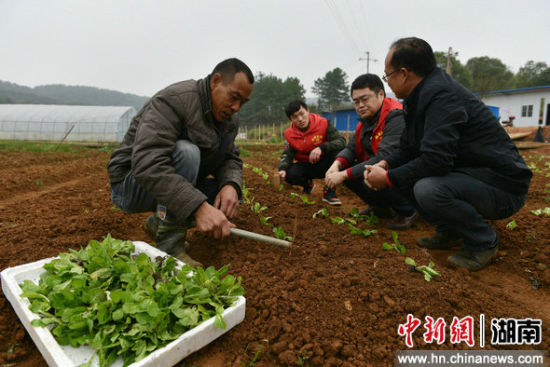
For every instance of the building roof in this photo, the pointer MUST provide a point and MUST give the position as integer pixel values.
(516, 90)
(62, 113)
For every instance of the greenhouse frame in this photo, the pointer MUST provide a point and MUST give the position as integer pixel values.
(55, 122)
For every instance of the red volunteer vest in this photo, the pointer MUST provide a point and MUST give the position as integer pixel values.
(388, 105)
(303, 142)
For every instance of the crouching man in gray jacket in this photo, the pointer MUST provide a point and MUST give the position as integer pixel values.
(179, 158)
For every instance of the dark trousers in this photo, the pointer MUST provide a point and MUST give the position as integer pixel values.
(299, 173)
(461, 203)
(383, 198)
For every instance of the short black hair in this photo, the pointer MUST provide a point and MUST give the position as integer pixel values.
(294, 106)
(413, 54)
(371, 81)
(228, 68)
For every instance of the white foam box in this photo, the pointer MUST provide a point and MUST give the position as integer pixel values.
(67, 356)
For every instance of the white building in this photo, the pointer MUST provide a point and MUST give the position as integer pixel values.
(53, 122)
(530, 106)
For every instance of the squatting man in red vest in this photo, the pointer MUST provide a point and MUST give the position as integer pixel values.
(376, 136)
(455, 162)
(179, 159)
(311, 146)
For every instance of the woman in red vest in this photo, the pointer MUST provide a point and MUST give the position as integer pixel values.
(376, 136)
(311, 146)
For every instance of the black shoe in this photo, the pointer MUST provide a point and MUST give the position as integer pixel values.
(442, 240)
(310, 186)
(173, 243)
(402, 223)
(473, 260)
(329, 196)
(380, 212)
(151, 225)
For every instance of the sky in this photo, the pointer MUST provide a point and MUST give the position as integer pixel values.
(142, 46)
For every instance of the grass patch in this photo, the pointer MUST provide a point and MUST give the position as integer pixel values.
(48, 147)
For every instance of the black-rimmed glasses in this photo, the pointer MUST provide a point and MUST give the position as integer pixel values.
(386, 76)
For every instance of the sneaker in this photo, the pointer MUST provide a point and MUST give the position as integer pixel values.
(310, 186)
(380, 212)
(473, 260)
(329, 196)
(442, 240)
(402, 223)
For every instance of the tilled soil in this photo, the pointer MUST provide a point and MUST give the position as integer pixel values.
(332, 299)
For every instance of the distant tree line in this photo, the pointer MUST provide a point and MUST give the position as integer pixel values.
(480, 74)
(11, 93)
(271, 94)
(484, 74)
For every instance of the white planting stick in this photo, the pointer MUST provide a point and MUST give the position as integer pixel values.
(259, 237)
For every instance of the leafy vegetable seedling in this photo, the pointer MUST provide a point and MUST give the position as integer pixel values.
(337, 220)
(126, 305)
(265, 220)
(281, 234)
(541, 211)
(364, 232)
(258, 208)
(370, 219)
(428, 270)
(305, 200)
(340, 220)
(396, 245)
(321, 212)
(511, 225)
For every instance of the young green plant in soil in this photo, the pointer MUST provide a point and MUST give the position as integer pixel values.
(396, 245)
(370, 219)
(265, 221)
(359, 231)
(281, 234)
(511, 225)
(246, 194)
(123, 304)
(321, 213)
(304, 198)
(258, 208)
(541, 211)
(340, 220)
(428, 270)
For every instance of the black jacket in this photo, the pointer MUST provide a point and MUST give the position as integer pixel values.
(449, 129)
(393, 128)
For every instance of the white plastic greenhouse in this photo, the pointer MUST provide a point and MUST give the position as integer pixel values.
(53, 122)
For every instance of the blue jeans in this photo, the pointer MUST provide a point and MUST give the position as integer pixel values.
(383, 198)
(461, 203)
(129, 196)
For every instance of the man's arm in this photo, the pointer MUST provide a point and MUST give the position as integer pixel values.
(393, 129)
(287, 157)
(231, 170)
(335, 142)
(443, 120)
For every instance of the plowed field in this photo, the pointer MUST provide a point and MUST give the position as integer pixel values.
(332, 299)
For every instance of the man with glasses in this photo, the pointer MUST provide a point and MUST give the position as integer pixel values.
(455, 162)
(312, 142)
(376, 136)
